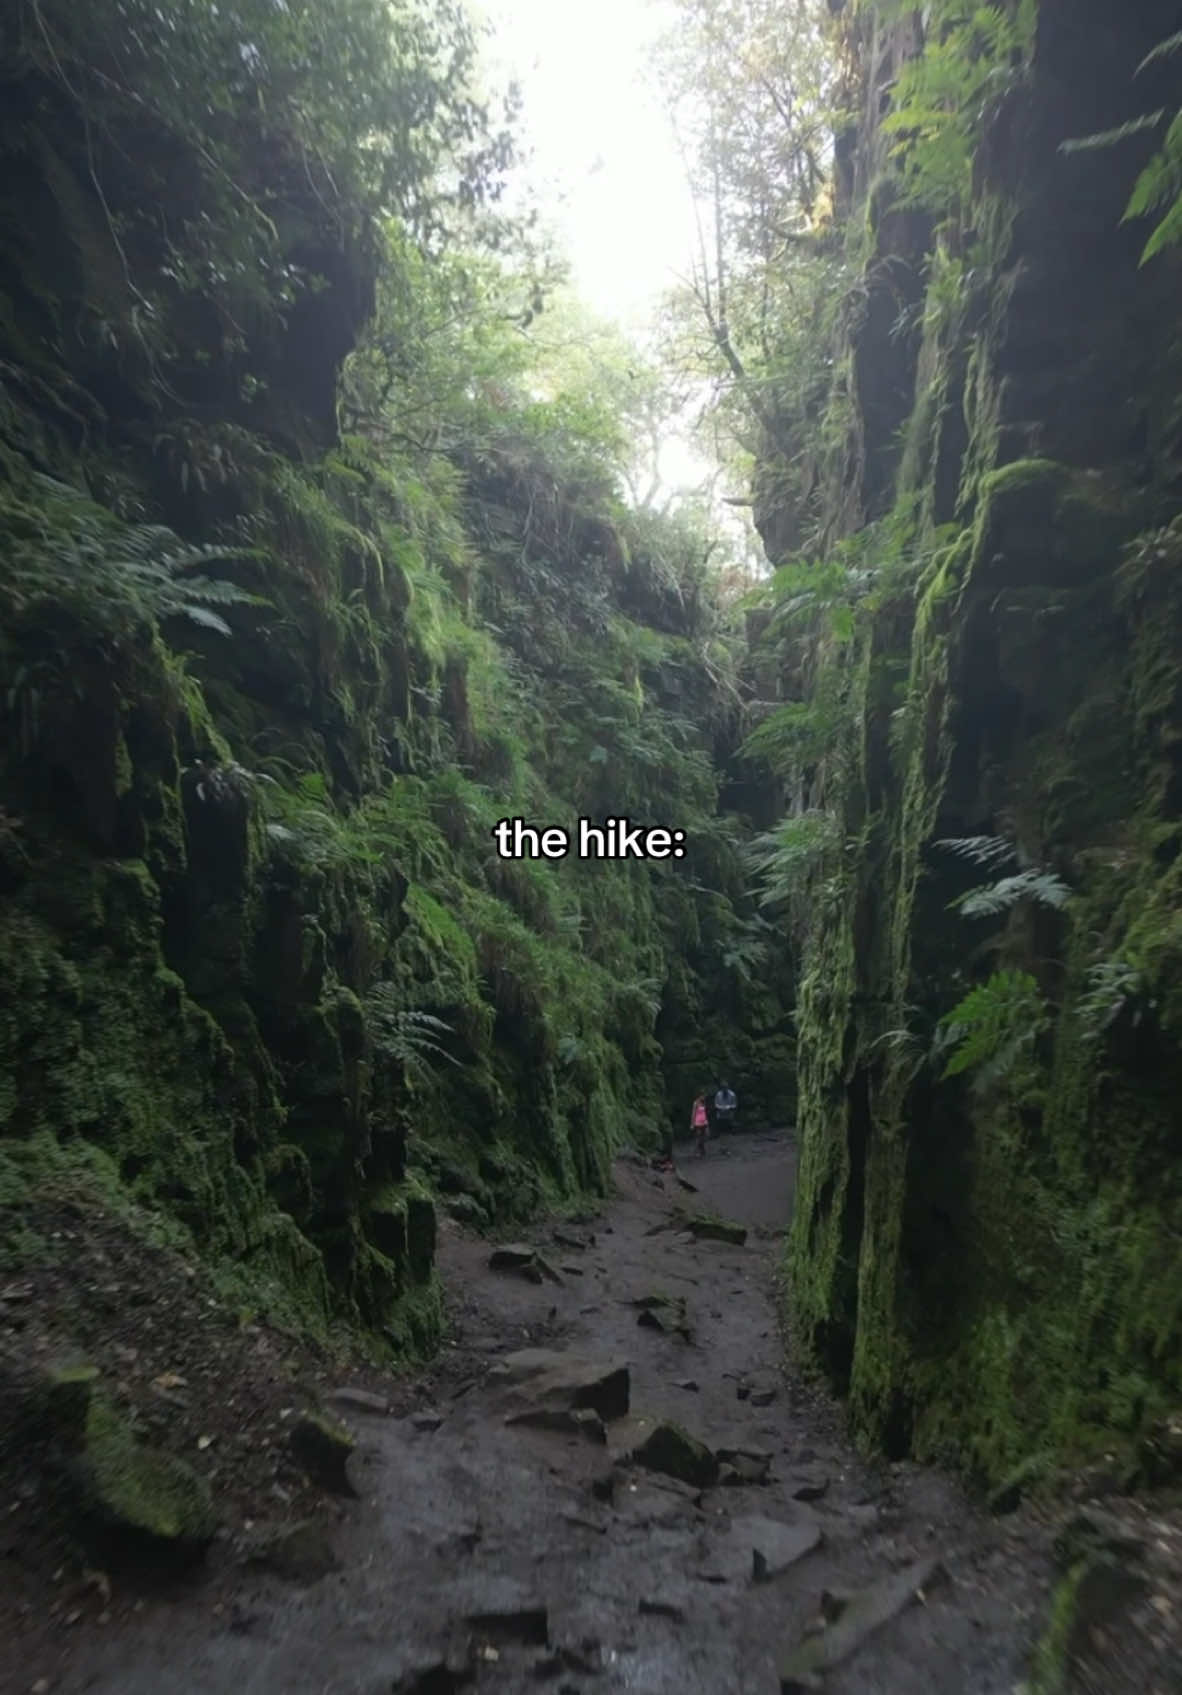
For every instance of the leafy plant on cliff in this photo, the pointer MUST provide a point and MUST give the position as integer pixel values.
(784, 859)
(1113, 986)
(989, 1030)
(989, 900)
(407, 1036)
(971, 55)
(1157, 191)
(62, 547)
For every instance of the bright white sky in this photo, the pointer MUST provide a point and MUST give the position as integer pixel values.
(606, 169)
(606, 163)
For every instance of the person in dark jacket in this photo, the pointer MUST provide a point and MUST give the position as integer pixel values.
(726, 1105)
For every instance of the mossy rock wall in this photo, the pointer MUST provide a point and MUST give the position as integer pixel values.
(261, 967)
(990, 1264)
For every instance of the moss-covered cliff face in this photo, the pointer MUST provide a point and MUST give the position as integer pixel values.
(261, 967)
(986, 1252)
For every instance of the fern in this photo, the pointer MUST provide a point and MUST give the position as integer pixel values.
(991, 899)
(785, 858)
(982, 850)
(1043, 887)
(62, 546)
(1113, 985)
(405, 1036)
(1158, 189)
(942, 99)
(992, 1026)
(1171, 44)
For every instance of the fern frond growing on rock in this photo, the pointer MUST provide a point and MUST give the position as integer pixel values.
(982, 850)
(994, 1023)
(64, 547)
(1043, 887)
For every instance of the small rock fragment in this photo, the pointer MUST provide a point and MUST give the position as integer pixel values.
(812, 1491)
(300, 1552)
(745, 1465)
(660, 1609)
(361, 1400)
(509, 1256)
(670, 1449)
(547, 1377)
(860, 1616)
(710, 1229)
(514, 1624)
(323, 1447)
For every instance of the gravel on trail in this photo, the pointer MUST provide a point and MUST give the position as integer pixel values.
(505, 1538)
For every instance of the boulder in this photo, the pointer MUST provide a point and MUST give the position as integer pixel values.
(670, 1449)
(525, 1261)
(299, 1553)
(861, 1615)
(660, 1609)
(1160, 1451)
(744, 1465)
(529, 1623)
(709, 1229)
(138, 1498)
(322, 1447)
(1096, 1532)
(774, 1546)
(758, 1549)
(811, 1489)
(565, 1239)
(661, 1502)
(548, 1377)
(511, 1256)
(361, 1400)
(579, 1421)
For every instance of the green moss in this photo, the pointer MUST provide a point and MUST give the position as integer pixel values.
(991, 1269)
(1051, 1666)
(137, 1491)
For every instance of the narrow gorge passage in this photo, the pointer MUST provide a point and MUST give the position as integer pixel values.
(644, 1583)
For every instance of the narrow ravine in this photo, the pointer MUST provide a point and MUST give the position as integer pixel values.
(505, 1557)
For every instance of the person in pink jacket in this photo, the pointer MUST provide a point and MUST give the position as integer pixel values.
(700, 1122)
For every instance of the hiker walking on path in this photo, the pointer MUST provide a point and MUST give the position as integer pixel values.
(726, 1104)
(700, 1122)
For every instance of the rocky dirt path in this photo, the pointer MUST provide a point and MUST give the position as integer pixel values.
(505, 1557)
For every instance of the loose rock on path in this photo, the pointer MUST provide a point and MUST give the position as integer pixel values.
(596, 1505)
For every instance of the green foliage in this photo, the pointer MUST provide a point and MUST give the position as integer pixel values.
(990, 900)
(982, 850)
(992, 1027)
(405, 1035)
(972, 54)
(1113, 986)
(63, 549)
(1043, 887)
(753, 88)
(263, 949)
(1157, 191)
(342, 110)
(784, 860)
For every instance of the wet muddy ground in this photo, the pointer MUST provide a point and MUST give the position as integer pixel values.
(502, 1557)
